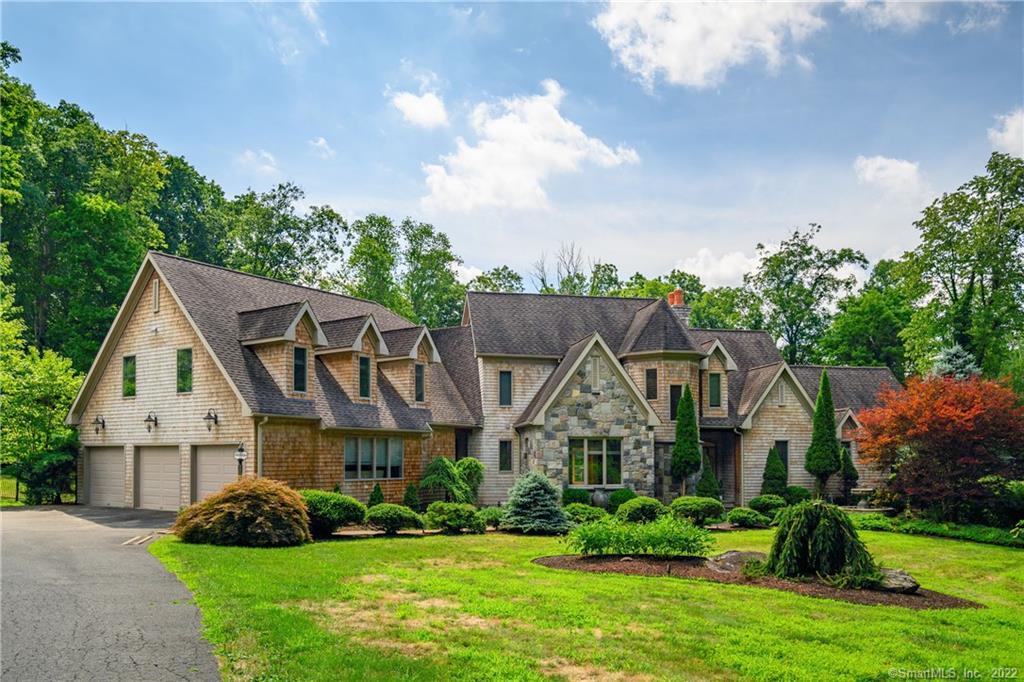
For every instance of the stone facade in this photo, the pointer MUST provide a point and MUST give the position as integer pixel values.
(589, 408)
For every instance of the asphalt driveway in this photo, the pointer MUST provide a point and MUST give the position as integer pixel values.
(77, 603)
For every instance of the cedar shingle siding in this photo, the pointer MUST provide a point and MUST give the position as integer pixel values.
(243, 332)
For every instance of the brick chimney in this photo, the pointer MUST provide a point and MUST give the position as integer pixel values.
(678, 303)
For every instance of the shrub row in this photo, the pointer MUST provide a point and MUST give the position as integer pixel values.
(983, 534)
(667, 535)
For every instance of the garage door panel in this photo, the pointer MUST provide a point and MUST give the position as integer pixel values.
(106, 476)
(159, 478)
(215, 468)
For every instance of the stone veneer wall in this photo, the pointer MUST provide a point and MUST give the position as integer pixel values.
(579, 411)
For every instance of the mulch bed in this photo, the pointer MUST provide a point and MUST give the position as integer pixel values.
(690, 567)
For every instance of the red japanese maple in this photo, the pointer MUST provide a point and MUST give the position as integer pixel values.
(941, 435)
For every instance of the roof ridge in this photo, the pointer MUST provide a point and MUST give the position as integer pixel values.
(532, 293)
(271, 279)
(346, 319)
(270, 307)
(886, 367)
(767, 364)
(723, 329)
(451, 326)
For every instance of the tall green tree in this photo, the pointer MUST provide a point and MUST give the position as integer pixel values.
(727, 308)
(501, 279)
(686, 452)
(971, 261)
(867, 328)
(604, 279)
(270, 237)
(823, 454)
(641, 286)
(430, 281)
(797, 283)
(191, 212)
(373, 263)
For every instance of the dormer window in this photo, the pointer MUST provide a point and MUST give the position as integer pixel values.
(299, 362)
(421, 389)
(715, 389)
(364, 376)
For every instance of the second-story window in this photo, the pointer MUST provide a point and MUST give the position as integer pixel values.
(184, 370)
(364, 376)
(505, 388)
(651, 379)
(299, 369)
(504, 455)
(421, 389)
(715, 390)
(128, 376)
(675, 392)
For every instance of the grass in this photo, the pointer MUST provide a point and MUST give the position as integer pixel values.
(476, 608)
(7, 492)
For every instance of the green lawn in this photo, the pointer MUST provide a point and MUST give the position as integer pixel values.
(475, 608)
(7, 492)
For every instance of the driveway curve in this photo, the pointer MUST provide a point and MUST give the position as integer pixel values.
(78, 604)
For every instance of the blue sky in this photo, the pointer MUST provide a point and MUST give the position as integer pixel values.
(652, 136)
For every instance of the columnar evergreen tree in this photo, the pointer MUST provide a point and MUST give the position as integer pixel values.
(686, 450)
(708, 485)
(850, 474)
(376, 496)
(412, 497)
(774, 479)
(822, 458)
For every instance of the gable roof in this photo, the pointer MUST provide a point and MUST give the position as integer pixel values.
(556, 381)
(278, 323)
(455, 346)
(855, 388)
(545, 325)
(656, 328)
(343, 333)
(404, 343)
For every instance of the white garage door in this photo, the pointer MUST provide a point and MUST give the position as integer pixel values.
(159, 478)
(215, 468)
(106, 477)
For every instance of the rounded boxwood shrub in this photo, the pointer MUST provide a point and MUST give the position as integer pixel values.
(453, 517)
(575, 496)
(584, 513)
(491, 516)
(667, 536)
(816, 538)
(767, 504)
(697, 510)
(392, 518)
(795, 494)
(533, 506)
(618, 497)
(250, 512)
(640, 510)
(747, 518)
(328, 511)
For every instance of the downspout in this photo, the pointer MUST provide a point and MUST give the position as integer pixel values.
(259, 445)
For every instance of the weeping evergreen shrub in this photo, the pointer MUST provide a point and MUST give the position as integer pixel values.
(815, 538)
(534, 506)
(443, 477)
(472, 472)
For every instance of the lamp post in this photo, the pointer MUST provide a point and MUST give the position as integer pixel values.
(240, 455)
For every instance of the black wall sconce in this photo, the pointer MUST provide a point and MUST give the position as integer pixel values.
(99, 423)
(210, 419)
(150, 421)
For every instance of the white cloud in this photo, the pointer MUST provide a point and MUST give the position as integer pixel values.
(308, 8)
(695, 44)
(321, 148)
(890, 175)
(466, 273)
(979, 16)
(259, 162)
(724, 270)
(1008, 136)
(424, 111)
(899, 15)
(522, 141)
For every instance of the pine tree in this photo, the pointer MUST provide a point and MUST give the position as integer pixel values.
(708, 486)
(376, 496)
(411, 499)
(822, 458)
(686, 450)
(774, 479)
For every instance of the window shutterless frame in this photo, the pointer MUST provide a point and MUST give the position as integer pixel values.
(128, 376)
(184, 371)
(505, 388)
(421, 390)
(299, 363)
(651, 381)
(364, 376)
(675, 393)
(595, 461)
(715, 389)
(504, 455)
(374, 458)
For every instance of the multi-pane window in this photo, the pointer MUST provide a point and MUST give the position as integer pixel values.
(651, 381)
(505, 387)
(595, 461)
(184, 370)
(374, 458)
(782, 447)
(128, 376)
(299, 359)
(364, 376)
(675, 393)
(715, 390)
(504, 455)
(421, 390)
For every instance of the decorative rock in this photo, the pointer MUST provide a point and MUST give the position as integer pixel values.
(732, 561)
(897, 580)
(626, 558)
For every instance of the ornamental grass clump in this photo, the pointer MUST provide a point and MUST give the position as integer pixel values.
(534, 506)
(329, 511)
(815, 538)
(667, 536)
(250, 512)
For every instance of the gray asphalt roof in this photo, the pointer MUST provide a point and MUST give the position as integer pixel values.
(852, 387)
(554, 380)
(265, 323)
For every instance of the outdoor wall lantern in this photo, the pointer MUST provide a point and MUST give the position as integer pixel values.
(240, 455)
(210, 419)
(150, 421)
(99, 423)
